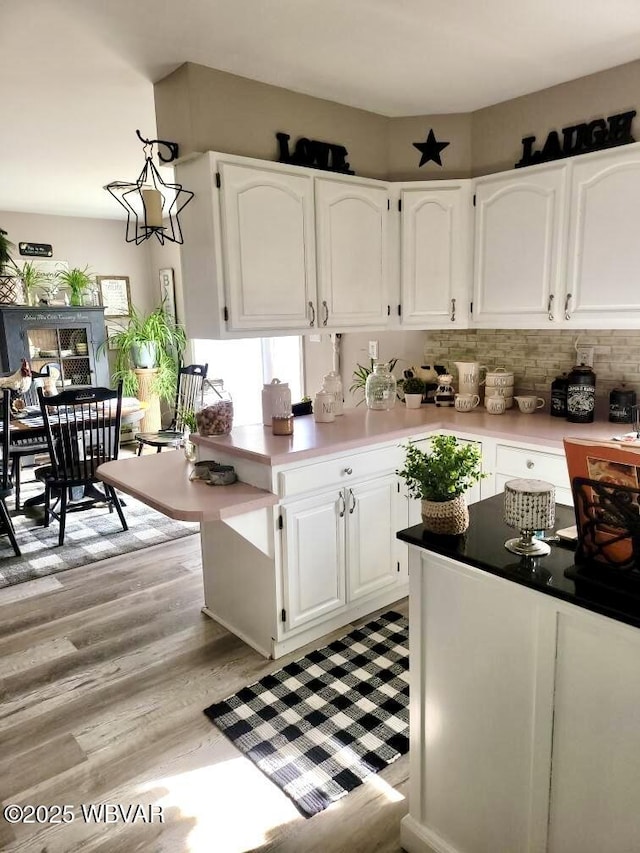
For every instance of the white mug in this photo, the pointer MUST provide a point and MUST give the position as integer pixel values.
(466, 402)
(528, 405)
(495, 405)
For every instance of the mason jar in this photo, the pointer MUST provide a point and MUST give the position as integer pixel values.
(332, 384)
(215, 416)
(380, 388)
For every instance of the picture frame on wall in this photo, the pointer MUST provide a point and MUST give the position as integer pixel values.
(168, 292)
(115, 295)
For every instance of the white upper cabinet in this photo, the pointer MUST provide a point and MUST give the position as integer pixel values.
(603, 275)
(519, 240)
(267, 228)
(435, 254)
(352, 233)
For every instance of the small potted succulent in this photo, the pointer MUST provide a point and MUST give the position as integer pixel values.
(413, 389)
(439, 478)
(304, 407)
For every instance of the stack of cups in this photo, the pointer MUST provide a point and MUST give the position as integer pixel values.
(499, 383)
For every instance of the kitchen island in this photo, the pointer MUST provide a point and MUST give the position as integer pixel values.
(525, 697)
(314, 546)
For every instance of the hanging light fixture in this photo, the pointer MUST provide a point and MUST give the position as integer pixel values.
(153, 207)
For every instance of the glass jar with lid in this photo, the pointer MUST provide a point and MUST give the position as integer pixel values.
(332, 384)
(380, 388)
(215, 416)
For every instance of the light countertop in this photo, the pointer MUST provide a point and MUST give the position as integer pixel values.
(360, 427)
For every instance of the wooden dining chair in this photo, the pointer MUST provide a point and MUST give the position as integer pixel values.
(25, 446)
(189, 391)
(6, 486)
(83, 432)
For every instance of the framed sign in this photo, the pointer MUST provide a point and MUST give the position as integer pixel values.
(168, 293)
(115, 295)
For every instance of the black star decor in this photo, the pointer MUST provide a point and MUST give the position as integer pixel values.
(430, 149)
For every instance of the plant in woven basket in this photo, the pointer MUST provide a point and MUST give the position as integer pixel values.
(439, 478)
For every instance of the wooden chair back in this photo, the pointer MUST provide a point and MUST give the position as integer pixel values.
(189, 392)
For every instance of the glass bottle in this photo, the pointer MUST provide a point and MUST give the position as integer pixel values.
(215, 417)
(380, 388)
(332, 383)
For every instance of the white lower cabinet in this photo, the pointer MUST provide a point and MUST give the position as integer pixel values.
(339, 547)
(525, 728)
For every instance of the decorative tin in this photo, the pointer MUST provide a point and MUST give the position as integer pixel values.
(581, 395)
(621, 403)
(558, 404)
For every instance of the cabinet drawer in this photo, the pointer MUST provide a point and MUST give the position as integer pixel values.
(338, 472)
(532, 464)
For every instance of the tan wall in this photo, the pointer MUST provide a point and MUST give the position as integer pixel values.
(204, 109)
(497, 131)
(99, 243)
(207, 110)
(404, 159)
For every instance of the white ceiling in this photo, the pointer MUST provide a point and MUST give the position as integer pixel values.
(77, 75)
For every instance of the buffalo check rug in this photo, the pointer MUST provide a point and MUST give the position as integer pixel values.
(321, 725)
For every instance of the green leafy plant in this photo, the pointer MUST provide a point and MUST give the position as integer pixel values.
(187, 417)
(77, 281)
(413, 385)
(7, 264)
(32, 277)
(445, 472)
(361, 374)
(158, 329)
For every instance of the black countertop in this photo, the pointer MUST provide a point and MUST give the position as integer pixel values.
(596, 588)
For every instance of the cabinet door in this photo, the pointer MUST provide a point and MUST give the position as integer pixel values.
(352, 222)
(604, 250)
(372, 547)
(314, 557)
(268, 246)
(518, 249)
(595, 778)
(435, 277)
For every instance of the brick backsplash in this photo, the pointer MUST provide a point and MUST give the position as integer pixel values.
(537, 357)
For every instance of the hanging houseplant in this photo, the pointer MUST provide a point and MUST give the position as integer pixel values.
(157, 334)
(439, 478)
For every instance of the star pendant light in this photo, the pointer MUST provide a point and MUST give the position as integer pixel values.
(153, 207)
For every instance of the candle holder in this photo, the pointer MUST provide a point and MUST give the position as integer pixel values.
(529, 506)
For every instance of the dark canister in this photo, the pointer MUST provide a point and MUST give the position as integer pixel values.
(558, 406)
(621, 403)
(581, 394)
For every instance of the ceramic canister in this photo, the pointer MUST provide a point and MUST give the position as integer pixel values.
(276, 398)
(499, 378)
(621, 403)
(324, 407)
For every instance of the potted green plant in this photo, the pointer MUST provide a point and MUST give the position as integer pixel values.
(77, 280)
(439, 478)
(413, 389)
(10, 283)
(32, 278)
(152, 340)
(304, 407)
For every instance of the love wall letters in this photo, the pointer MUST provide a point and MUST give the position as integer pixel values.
(579, 139)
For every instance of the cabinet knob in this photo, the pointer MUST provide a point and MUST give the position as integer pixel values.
(348, 470)
(530, 463)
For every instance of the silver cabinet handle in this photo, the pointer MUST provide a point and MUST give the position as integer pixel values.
(567, 315)
(550, 307)
(348, 470)
(453, 310)
(326, 312)
(313, 314)
(343, 505)
(353, 505)
(531, 463)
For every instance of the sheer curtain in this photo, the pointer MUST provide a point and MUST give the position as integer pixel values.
(246, 364)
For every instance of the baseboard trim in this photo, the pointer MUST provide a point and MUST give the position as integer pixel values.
(416, 838)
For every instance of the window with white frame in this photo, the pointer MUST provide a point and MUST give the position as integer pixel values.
(246, 364)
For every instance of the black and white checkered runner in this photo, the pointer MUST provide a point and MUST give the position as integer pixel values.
(320, 725)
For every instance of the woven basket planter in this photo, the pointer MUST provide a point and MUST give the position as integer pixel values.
(11, 290)
(446, 517)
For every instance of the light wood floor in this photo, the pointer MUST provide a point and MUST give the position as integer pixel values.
(104, 673)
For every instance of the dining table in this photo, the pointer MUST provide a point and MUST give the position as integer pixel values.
(27, 428)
